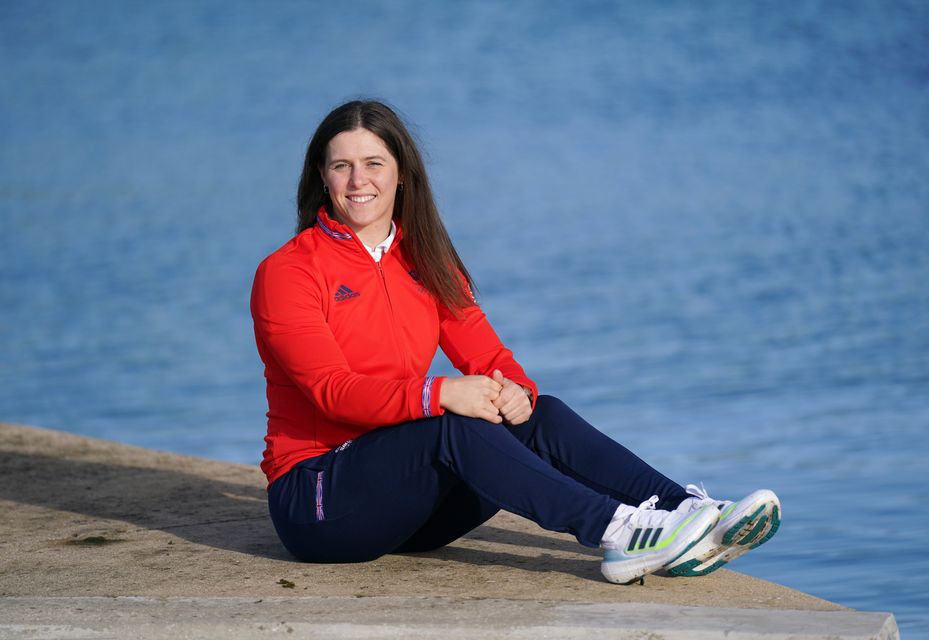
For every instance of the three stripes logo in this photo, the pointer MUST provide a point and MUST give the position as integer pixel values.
(641, 539)
(343, 293)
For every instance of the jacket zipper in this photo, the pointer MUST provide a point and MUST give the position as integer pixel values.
(393, 316)
(404, 356)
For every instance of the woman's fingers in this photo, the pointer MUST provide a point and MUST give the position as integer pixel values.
(495, 399)
(505, 397)
(517, 413)
(491, 416)
(507, 403)
(510, 391)
(512, 403)
(472, 396)
(491, 391)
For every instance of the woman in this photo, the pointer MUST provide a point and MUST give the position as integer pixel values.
(367, 454)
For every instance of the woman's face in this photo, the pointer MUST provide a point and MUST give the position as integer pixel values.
(362, 178)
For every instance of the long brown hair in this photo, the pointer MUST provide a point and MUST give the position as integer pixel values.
(424, 238)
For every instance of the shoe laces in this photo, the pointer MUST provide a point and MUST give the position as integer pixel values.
(700, 498)
(646, 515)
(698, 491)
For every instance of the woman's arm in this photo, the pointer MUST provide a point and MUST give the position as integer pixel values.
(474, 348)
(291, 328)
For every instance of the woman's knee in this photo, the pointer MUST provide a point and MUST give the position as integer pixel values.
(546, 403)
(550, 416)
(551, 410)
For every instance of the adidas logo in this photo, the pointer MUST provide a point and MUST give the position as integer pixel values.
(643, 539)
(344, 293)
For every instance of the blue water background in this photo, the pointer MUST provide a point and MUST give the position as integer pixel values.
(704, 225)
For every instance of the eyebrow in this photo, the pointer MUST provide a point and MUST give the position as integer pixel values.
(381, 158)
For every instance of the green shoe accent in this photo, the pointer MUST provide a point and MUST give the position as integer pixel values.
(686, 566)
(737, 527)
(756, 530)
(762, 526)
(687, 569)
(691, 545)
(775, 524)
(713, 567)
(725, 514)
(664, 543)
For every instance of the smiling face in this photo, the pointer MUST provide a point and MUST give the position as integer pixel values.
(362, 176)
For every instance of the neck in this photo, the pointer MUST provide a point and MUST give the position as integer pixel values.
(372, 234)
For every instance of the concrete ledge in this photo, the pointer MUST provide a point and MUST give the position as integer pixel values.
(96, 534)
(446, 618)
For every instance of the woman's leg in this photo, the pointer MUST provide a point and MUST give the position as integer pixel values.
(575, 448)
(572, 446)
(368, 498)
(461, 511)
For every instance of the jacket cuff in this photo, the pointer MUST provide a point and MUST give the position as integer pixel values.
(533, 392)
(432, 387)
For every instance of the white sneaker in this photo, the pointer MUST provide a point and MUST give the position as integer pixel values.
(642, 540)
(743, 525)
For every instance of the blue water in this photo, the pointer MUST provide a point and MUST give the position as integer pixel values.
(704, 225)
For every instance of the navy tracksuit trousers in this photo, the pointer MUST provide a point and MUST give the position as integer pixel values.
(419, 485)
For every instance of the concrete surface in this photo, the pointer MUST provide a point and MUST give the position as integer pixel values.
(403, 617)
(97, 538)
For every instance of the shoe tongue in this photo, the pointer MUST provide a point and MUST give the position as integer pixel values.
(646, 513)
(648, 518)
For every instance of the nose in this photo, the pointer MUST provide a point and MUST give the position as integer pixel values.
(357, 178)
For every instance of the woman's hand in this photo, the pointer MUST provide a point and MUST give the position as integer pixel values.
(513, 402)
(471, 396)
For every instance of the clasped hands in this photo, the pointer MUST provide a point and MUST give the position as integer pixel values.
(495, 399)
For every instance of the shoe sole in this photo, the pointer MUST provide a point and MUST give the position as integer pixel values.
(634, 569)
(748, 532)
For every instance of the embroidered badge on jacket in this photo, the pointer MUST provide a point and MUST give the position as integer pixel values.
(344, 293)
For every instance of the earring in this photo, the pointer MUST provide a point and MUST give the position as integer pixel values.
(400, 186)
(325, 189)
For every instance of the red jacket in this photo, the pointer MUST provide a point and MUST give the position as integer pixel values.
(347, 343)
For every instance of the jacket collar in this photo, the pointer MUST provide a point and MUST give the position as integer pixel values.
(343, 234)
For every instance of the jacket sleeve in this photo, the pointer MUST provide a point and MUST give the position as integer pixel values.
(291, 329)
(473, 347)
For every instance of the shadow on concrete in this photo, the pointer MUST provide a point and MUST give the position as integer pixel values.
(541, 563)
(525, 539)
(220, 514)
(216, 513)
